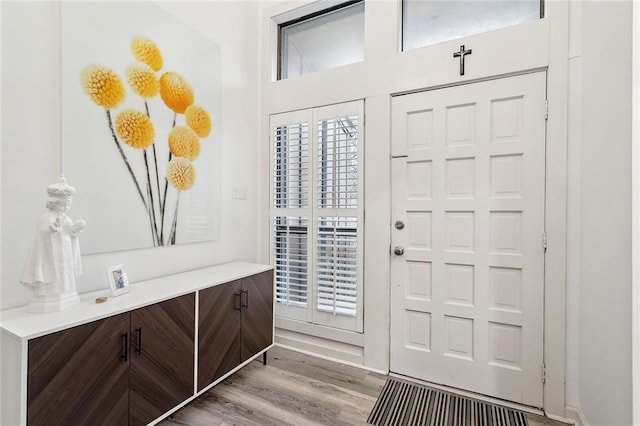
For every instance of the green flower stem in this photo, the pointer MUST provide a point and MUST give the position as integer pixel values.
(172, 235)
(125, 159)
(166, 184)
(154, 233)
(152, 213)
(155, 160)
(152, 207)
(164, 204)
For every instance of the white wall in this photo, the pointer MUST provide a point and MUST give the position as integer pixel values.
(605, 238)
(30, 131)
(574, 184)
(31, 141)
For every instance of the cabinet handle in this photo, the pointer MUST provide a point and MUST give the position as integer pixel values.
(237, 305)
(139, 341)
(124, 354)
(245, 300)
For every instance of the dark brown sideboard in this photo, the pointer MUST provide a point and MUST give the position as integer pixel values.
(136, 366)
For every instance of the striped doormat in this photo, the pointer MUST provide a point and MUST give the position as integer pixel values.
(402, 403)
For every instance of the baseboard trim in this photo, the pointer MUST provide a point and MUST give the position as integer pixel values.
(332, 359)
(575, 415)
(320, 331)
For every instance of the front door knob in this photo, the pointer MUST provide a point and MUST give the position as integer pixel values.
(398, 250)
(399, 224)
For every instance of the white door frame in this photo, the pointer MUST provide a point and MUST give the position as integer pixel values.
(555, 300)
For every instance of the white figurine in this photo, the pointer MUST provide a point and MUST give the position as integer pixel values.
(54, 258)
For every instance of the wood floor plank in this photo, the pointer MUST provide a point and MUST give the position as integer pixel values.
(319, 400)
(293, 389)
(341, 375)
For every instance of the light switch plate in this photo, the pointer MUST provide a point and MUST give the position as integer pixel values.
(239, 192)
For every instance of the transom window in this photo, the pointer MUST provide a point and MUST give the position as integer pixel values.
(317, 215)
(426, 22)
(323, 40)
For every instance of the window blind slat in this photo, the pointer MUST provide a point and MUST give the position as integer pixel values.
(337, 265)
(291, 260)
(291, 166)
(337, 155)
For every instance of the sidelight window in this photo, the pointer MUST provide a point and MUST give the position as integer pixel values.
(317, 214)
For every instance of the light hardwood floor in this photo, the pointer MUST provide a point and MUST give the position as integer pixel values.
(292, 389)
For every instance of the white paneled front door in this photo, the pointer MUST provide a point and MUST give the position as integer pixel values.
(467, 258)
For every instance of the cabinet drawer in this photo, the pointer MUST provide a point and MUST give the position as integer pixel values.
(78, 376)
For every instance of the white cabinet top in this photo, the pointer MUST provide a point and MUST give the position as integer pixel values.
(25, 325)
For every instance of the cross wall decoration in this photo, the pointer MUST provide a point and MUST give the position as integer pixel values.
(461, 54)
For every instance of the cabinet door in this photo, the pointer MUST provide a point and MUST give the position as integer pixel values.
(162, 351)
(257, 314)
(218, 332)
(80, 376)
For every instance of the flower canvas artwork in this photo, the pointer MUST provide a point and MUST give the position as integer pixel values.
(140, 125)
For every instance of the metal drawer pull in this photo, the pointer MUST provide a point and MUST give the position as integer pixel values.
(237, 302)
(124, 354)
(245, 300)
(139, 341)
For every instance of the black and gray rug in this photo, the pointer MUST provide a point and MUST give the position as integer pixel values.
(402, 403)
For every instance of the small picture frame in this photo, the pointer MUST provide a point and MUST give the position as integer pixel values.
(118, 281)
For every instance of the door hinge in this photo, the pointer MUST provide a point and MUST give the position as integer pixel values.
(544, 241)
(544, 373)
(546, 109)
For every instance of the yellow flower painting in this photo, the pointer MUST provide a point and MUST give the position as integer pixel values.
(175, 92)
(134, 128)
(198, 119)
(184, 142)
(102, 85)
(143, 80)
(148, 116)
(146, 51)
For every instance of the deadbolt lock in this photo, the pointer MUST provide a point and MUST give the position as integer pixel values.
(399, 224)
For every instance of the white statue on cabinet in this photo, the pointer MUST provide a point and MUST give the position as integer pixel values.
(54, 258)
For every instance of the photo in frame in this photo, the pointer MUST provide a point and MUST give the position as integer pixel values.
(140, 109)
(118, 281)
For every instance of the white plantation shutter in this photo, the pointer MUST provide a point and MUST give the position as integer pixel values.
(290, 213)
(337, 265)
(338, 163)
(291, 173)
(317, 214)
(290, 260)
